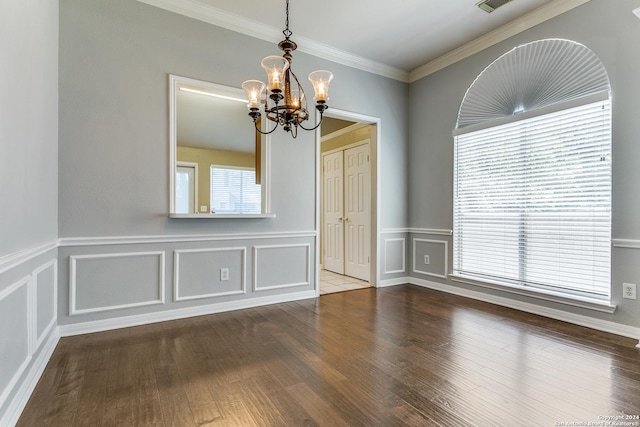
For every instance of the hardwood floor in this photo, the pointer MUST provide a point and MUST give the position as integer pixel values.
(390, 357)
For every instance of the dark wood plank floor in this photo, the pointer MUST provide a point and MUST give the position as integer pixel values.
(391, 357)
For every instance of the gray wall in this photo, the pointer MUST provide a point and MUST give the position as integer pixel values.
(115, 58)
(609, 29)
(29, 194)
(28, 124)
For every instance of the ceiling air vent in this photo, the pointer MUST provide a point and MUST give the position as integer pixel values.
(491, 5)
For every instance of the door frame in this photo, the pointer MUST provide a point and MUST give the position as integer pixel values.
(374, 147)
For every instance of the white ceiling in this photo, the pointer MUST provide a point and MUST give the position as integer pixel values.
(406, 39)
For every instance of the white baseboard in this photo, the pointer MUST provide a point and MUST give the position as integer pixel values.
(180, 313)
(19, 401)
(393, 282)
(576, 319)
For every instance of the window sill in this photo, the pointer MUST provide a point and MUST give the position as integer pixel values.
(588, 303)
(222, 216)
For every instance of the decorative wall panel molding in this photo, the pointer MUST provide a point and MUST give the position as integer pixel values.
(105, 276)
(28, 331)
(277, 270)
(16, 329)
(444, 256)
(45, 280)
(394, 247)
(204, 270)
(25, 388)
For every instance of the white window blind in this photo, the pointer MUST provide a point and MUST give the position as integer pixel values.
(234, 191)
(532, 202)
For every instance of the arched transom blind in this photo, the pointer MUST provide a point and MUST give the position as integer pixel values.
(532, 178)
(531, 77)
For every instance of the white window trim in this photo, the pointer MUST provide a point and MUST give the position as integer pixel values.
(543, 294)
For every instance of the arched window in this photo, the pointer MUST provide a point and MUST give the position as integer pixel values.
(532, 173)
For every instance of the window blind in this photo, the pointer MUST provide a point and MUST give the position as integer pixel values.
(234, 191)
(532, 202)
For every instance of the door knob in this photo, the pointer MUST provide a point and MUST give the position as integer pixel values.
(340, 219)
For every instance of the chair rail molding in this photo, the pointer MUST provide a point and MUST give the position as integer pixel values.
(17, 258)
(169, 238)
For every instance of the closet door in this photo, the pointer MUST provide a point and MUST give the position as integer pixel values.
(333, 185)
(356, 211)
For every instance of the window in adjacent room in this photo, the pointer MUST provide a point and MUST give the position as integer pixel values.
(532, 173)
(234, 190)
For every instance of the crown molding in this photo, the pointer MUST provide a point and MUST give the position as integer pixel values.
(531, 19)
(196, 10)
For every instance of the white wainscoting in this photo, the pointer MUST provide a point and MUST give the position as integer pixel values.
(392, 263)
(278, 272)
(110, 279)
(445, 258)
(28, 332)
(210, 271)
(16, 332)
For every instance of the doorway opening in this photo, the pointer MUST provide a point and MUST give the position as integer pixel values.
(347, 202)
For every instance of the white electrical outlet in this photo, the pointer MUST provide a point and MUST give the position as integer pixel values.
(224, 274)
(427, 260)
(204, 208)
(629, 290)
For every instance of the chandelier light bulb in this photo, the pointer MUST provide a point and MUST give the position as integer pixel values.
(254, 90)
(320, 80)
(295, 98)
(275, 67)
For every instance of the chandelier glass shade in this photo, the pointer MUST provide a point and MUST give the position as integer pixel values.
(282, 99)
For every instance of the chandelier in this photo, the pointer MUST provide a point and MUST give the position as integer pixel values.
(285, 102)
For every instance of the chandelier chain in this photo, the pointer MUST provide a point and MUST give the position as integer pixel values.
(287, 32)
